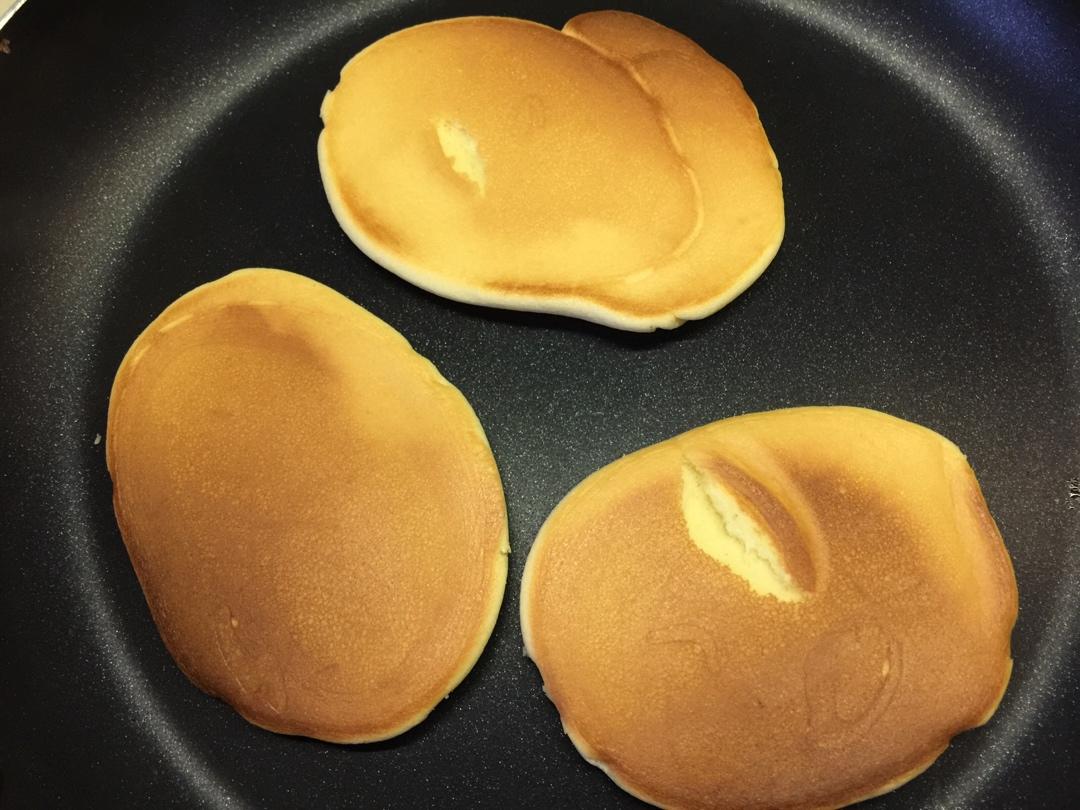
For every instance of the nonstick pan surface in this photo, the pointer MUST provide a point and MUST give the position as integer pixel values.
(930, 269)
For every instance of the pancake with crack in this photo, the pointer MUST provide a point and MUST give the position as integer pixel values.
(793, 609)
(611, 171)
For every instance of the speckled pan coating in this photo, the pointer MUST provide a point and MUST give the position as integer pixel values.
(929, 270)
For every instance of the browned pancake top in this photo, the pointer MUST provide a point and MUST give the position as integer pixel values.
(694, 687)
(613, 170)
(312, 510)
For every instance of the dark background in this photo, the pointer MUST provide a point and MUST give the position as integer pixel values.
(930, 269)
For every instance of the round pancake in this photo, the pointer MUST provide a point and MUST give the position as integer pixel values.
(613, 171)
(794, 609)
(312, 511)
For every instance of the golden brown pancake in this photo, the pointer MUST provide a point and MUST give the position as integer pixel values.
(613, 171)
(795, 609)
(313, 512)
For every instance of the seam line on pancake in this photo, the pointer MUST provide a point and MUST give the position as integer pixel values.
(669, 130)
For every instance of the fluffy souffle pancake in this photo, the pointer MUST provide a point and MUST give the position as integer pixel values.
(612, 171)
(794, 609)
(312, 510)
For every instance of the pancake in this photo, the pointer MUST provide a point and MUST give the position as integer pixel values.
(312, 511)
(613, 171)
(794, 609)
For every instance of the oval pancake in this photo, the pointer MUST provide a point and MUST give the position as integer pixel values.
(793, 609)
(313, 512)
(613, 171)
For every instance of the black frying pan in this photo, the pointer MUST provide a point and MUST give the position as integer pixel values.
(930, 270)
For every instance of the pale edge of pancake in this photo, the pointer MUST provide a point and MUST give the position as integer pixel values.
(499, 567)
(569, 305)
(590, 755)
